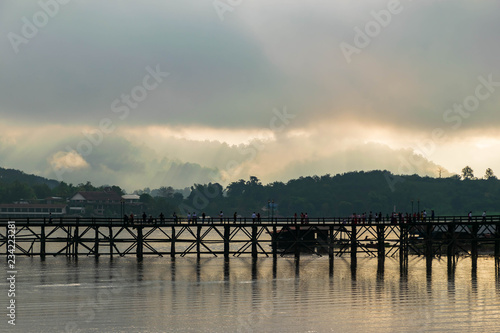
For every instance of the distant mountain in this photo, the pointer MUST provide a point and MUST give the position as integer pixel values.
(8, 176)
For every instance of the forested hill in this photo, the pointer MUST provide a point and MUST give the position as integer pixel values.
(339, 195)
(342, 195)
(8, 176)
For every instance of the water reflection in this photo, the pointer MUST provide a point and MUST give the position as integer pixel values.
(354, 268)
(473, 276)
(297, 267)
(244, 294)
(226, 270)
(428, 264)
(451, 283)
(428, 279)
(380, 268)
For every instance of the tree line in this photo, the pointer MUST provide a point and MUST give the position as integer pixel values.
(327, 195)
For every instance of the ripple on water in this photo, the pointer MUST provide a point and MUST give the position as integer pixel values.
(158, 295)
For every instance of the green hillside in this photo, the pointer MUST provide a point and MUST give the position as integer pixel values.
(339, 195)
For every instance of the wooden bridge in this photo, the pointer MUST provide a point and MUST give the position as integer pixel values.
(448, 236)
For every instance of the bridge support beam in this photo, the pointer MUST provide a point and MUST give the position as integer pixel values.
(450, 251)
(403, 249)
(330, 249)
(354, 244)
(198, 241)
(42, 242)
(96, 241)
(474, 245)
(254, 241)
(140, 243)
(297, 242)
(429, 254)
(172, 243)
(227, 234)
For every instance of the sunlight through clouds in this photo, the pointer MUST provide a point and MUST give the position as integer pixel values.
(211, 117)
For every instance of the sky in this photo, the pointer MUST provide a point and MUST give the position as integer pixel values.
(171, 93)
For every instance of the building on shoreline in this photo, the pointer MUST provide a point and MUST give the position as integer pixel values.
(25, 209)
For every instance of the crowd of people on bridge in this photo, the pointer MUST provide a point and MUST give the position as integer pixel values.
(303, 218)
(393, 218)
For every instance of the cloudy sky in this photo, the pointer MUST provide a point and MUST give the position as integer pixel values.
(158, 93)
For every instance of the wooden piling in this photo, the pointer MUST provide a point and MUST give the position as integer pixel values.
(172, 243)
(330, 249)
(450, 250)
(111, 241)
(69, 242)
(7, 240)
(429, 252)
(75, 242)
(140, 243)
(42, 242)
(474, 246)
(403, 249)
(428, 245)
(254, 242)
(198, 241)
(297, 242)
(274, 240)
(381, 242)
(380, 250)
(227, 233)
(354, 243)
(96, 241)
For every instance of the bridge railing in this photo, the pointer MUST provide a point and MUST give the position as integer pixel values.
(75, 221)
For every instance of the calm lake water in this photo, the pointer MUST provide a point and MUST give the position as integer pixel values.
(186, 295)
